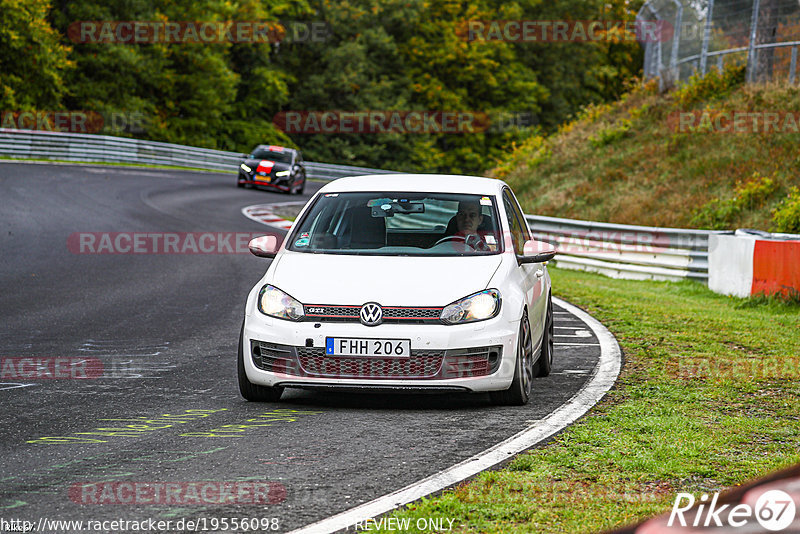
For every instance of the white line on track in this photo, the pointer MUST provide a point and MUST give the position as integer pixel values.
(603, 377)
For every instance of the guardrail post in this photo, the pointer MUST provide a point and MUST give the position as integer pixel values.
(720, 63)
(793, 65)
(751, 51)
(706, 37)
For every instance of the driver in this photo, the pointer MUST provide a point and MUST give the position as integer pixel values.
(468, 218)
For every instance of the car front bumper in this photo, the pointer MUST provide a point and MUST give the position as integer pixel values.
(270, 181)
(458, 357)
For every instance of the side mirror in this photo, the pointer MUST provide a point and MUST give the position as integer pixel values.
(265, 246)
(537, 252)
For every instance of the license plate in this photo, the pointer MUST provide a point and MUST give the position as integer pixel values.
(262, 178)
(385, 348)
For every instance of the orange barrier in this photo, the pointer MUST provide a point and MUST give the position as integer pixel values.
(776, 267)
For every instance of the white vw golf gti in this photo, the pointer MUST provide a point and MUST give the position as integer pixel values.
(401, 282)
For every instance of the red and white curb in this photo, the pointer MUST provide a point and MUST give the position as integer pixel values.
(264, 214)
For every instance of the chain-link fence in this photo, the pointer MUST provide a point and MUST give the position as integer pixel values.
(698, 35)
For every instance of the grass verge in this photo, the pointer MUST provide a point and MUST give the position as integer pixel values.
(708, 399)
(111, 164)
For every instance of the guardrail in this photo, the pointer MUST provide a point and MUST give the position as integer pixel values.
(36, 144)
(616, 250)
(624, 251)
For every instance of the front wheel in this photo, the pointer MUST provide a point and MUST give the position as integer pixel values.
(520, 391)
(298, 189)
(545, 363)
(250, 391)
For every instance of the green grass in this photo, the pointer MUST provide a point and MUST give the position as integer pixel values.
(626, 163)
(114, 164)
(708, 398)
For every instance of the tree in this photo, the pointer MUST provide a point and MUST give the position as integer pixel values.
(33, 61)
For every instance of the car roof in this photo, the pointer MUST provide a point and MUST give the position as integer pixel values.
(268, 147)
(439, 183)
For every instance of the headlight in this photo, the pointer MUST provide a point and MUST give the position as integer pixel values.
(282, 173)
(245, 168)
(478, 307)
(275, 303)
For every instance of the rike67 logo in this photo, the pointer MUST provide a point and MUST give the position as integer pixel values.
(772, 510)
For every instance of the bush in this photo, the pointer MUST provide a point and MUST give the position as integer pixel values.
(713, 85)
(719, 214)
(613, 133)
(786, 217)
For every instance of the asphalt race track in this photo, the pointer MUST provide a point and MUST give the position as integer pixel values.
(147, 349)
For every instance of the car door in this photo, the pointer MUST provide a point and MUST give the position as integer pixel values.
(530, 275)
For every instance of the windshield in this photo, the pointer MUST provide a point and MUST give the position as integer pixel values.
(277, 157)
(400, 224)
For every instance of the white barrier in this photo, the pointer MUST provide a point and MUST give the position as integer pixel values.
(747, 264)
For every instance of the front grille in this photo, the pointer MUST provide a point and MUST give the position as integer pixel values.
(411, 313)
(422, 364)
(391, 314)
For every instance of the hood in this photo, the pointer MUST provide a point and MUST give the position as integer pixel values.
(387, 280)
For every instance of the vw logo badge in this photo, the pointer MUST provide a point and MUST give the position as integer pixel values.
(371, 314)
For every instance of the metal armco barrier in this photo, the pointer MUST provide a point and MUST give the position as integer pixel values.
(35, 144)
(623, 251)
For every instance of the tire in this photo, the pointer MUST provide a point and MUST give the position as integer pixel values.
(545, 363)
(250, 391)
(239, 184)
(519, 392)
(295, 190)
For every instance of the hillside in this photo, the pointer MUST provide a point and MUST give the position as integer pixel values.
(630, 162)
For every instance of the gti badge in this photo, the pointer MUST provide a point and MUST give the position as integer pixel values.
(371, 314)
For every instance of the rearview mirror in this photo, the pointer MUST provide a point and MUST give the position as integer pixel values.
(265, 246)
(537, 252)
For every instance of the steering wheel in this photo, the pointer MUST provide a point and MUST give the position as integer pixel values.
(450, 238)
